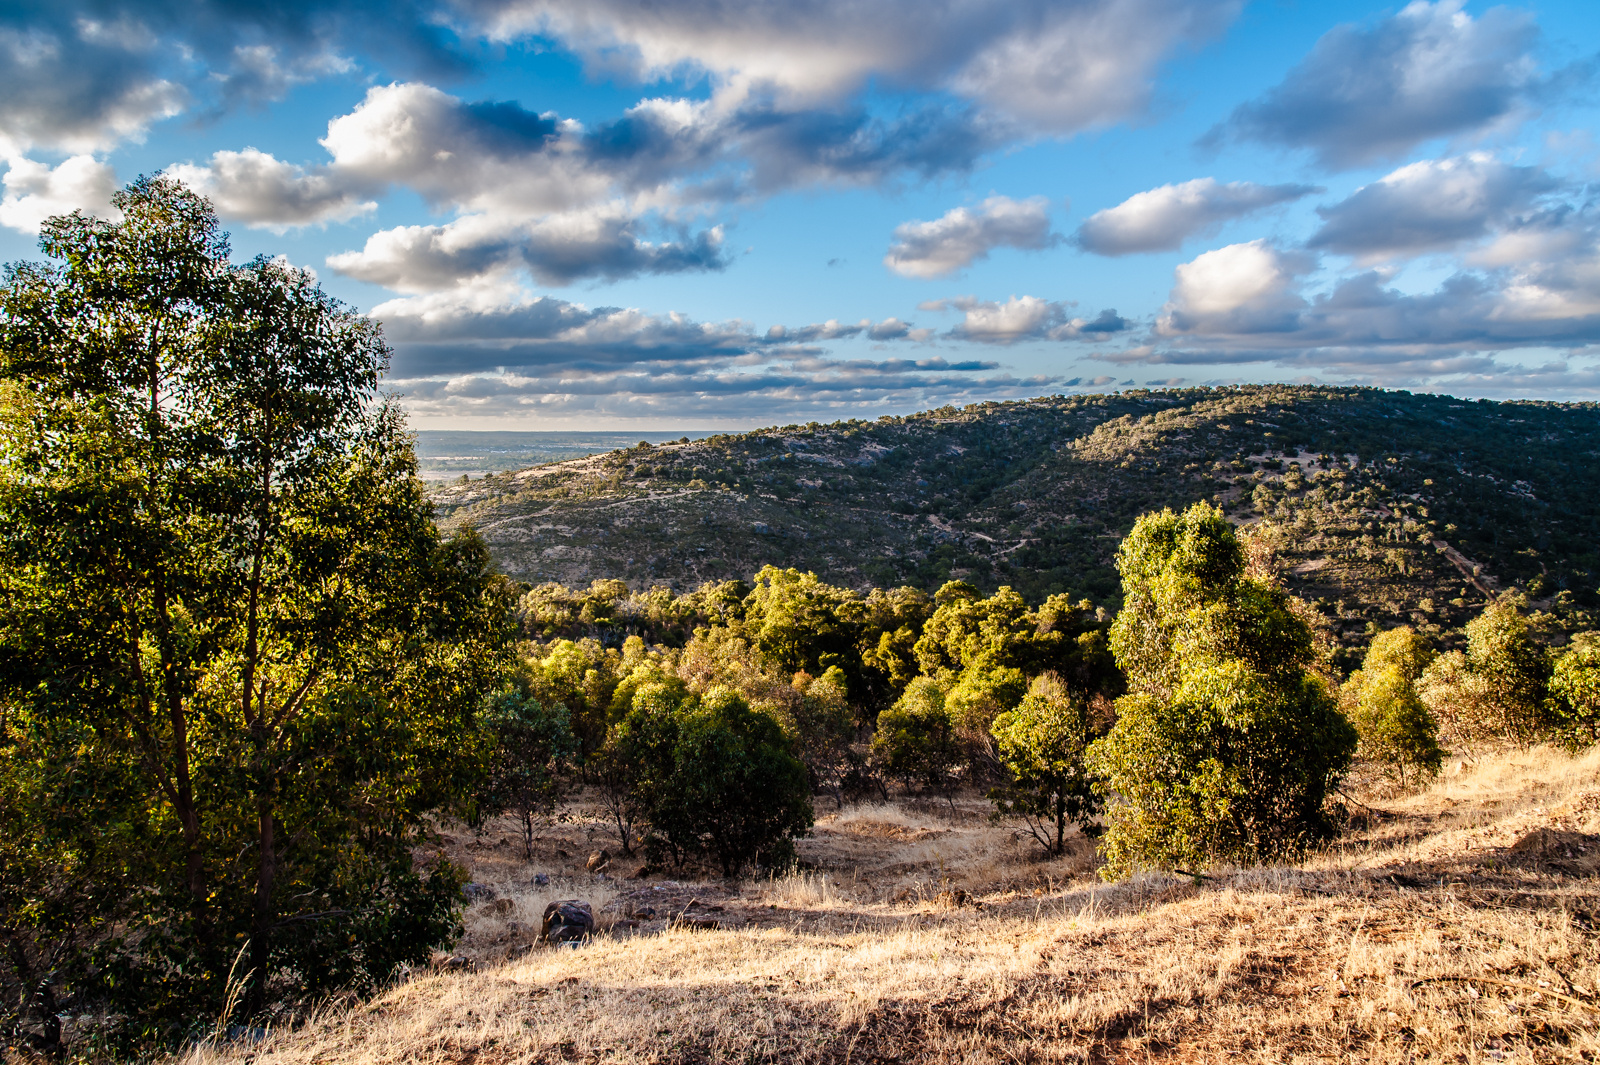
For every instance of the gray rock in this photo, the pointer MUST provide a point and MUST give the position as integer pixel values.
(478, 892)
(567, 921)
(541, 879)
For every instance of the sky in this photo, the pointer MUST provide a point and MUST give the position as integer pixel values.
(594, 214)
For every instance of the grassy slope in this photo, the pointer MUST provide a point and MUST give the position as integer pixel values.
(1037, 494)
(1459, 924)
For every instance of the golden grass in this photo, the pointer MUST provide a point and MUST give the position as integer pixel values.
(1458, 925)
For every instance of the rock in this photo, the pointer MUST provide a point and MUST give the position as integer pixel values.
(598, 860)
(503, 906)
(541, 879)
(704, 924)
(478, 892)
(641, 873)
(567, 921)
(954, 898)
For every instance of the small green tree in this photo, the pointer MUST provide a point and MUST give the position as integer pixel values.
(1395, 727)
(1575, 692)
(1226, 746)
(714, 777)
(1041, 744)
(916, 740)
(531, 745)
(1498, 689)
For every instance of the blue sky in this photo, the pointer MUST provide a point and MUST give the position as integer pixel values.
(687, 212)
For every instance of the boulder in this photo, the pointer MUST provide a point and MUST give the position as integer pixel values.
(478, 892)
(598, 860)
(541, 879)
(567, 921)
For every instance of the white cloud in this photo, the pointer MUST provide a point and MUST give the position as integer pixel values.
(1161, 219)
(962, 236)
(1374, 92)
(1432, 205)
(1024, 318)
(1242, 288)
(259, 190)
(1052, 65)
(35, 191)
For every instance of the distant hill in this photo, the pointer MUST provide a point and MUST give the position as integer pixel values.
(1384, 506)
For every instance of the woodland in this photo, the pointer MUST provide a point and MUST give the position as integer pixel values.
(252, 674)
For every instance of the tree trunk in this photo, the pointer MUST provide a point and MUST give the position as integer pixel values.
(261, 922)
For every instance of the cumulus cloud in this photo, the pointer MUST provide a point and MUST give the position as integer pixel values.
(1430, 206)
(259, 190)
(1372, 92)
(1239, 289)
(1024, 318)
(35, 191)
(1253, 303)
(962, 237)
(1057, 67)
(1162, 219)
(565, 202)
(556, 249)
(83, 75)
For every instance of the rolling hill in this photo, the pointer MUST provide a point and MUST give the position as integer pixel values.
(1383, 506)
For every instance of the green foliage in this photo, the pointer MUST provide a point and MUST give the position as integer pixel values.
(713, 777)
(1042, 745)
(1226, 747)
(1396, 729)
(1497, 690)
(532, 742)
(1575, 692)
(237, 662)
(916, 740)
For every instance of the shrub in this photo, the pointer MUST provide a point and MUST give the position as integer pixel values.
(916, 740)
(1227, 746)
(1498, 689)
(1395, 727)
(1575, 692)
(714, 777)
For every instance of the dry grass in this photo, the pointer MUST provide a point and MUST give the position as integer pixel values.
(1456, 924)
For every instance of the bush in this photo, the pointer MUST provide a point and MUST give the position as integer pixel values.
(1041, 744)
(1575, 692)
(1396, 729)
(1498, 689)
(1227, 746)
(713, 777)
(916, 740)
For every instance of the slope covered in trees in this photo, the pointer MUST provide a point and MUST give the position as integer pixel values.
(1384, 507)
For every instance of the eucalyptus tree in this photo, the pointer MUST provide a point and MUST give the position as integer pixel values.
(221, 573)
(1227, 745)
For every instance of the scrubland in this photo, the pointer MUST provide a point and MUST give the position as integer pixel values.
(1459, 923)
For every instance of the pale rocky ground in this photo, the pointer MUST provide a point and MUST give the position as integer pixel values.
(1461, 923)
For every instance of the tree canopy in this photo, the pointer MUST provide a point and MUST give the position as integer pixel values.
(229, 615)
(1227, 744)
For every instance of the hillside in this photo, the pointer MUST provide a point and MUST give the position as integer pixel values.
(1455, 924)
(1384, 506)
